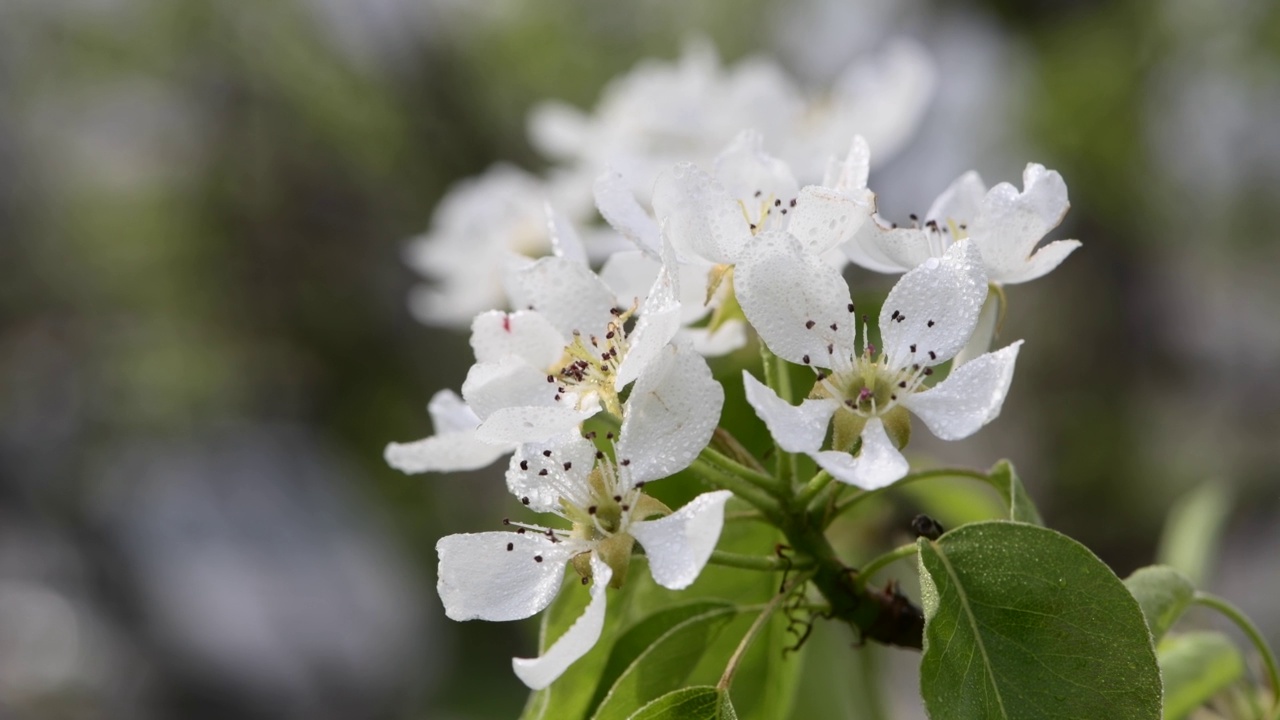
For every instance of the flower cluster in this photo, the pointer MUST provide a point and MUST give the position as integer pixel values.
(720, 253)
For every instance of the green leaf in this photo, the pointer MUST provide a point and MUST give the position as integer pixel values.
(664, 665)
(645, 633)
(1194, 526)
(1195, 667)
(1024, 622)
(702, 702)
(1163, 594)
(1005, 480)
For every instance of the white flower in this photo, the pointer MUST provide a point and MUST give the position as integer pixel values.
(800, 306)
(669, 418)
(545, 369)
(1005, 225)
(455, 445)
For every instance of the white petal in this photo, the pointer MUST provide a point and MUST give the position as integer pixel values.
(792, 299)
(479, 579)
(510, 382)
(630, 274)
(679, 544)
(698, 215)
(796, 429)
(969, 398)
(1012, 223)
(565, 242)
(878, 463)
(851, 173)
(557, 129)
(660, 319)
(540, 672)
(883, 249)
(531, 424)
(744, 169)
(670, 415)
(960, 202)
(824, 218)
(544, 478)
(940, 301)
(1041, 263)
(983, 333)
(567, 293)
(444, 453)
(728, 337)
(450, 414)
(619, 207)
(525, 334)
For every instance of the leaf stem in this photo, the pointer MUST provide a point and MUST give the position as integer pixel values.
(1251, 631)
(877, 564)
(761, 500)
(811, 489)
(728, 466)
(732, 667)
(758, 562)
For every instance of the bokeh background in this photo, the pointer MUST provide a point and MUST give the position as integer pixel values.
(205, 342)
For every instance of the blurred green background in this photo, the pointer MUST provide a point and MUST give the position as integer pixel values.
(205, 344)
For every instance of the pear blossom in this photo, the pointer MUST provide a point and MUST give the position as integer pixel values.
(667, 420)
(800, 306)
(1005, 224)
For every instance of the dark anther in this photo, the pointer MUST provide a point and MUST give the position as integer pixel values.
(520, 531)
(591, 435)
(586, 580)
(753, 227)
(617, 498)
(784, 211)
(776, 203)
(902, 383)
(914, 217)
(793, 202)
(599, 454)
(557, 397)
(615, 311)
(850, 307)
(609, 335)
(542, 472)
(546, 453)
(926, 527)
(895, 315)
(901, 318)
(537, 558)
(758, 193)
(511, 546)
(928, 371)
(913, 347)
(821, 376)
(524, 464)
(805, 359)
(626, 507)
(893, 397)
(625, 462)
(639, 484)
(834, 327)
(830, 348)
(568, 465)
(933, 355)
(808, 325)
(551, 378)
(930, 323)
(524, 500)
(506, 521)
(592, 510)
(608, 435)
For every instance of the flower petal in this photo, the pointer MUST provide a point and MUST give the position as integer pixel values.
(931, 313)
(567, 293)
(540, 672)
(524, 423)
(983, 333)
(882, 248)
(491, 386)
(851, 173)
(1012, 223)
(525, 334)
(878, 463)
(798, 303)
(679, 544)
(630, 274)
(565, 241)
(450, 413)
(444, 453)
(660, 319)
(480, 579)
(960, 202)
(1041, 263)
(969, 398)
(619, 207)
(670, 416)
(725, 339)
(824, 218)
(543, 472)
(796, 429)
(746, 171)
(698, 215)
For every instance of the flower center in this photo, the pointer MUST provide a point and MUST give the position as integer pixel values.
(588, 369)
(765, 212)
